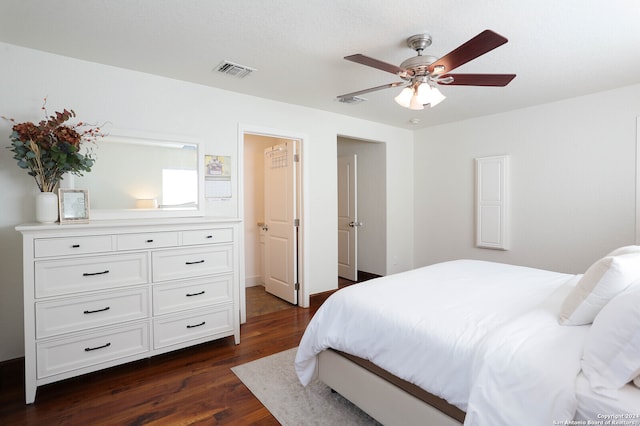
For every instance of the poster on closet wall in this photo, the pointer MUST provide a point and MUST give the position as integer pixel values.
(217, 176)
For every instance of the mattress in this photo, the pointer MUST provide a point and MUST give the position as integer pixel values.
(483, 336)
(425, 325)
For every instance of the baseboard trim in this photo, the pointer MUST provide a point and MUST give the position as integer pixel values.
(253, 281)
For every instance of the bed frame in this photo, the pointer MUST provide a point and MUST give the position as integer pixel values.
(383, 396)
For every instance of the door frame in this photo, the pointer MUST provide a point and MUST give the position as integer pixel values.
(365, 150)
(243, 129)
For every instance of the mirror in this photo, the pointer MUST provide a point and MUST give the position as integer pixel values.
(144, 176)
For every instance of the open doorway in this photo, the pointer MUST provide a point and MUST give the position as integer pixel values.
(370, 223)
(271, 258)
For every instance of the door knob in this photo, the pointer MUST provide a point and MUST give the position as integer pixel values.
(354, 224)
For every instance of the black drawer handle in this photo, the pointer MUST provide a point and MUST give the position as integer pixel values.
(97, 310)
(97, 347)
(195, 294)
(89, 274)
(149, 241)
(75, 246)
(209, 236)
(197, 325)
(193, 263)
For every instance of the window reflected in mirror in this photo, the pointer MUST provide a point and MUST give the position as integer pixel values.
(179, 188)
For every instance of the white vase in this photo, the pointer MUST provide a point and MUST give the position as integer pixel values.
(47, 207)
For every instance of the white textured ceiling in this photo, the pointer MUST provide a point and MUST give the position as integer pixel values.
(557, 48)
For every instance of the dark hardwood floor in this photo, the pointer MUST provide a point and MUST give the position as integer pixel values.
(259, 302)
(193, 386)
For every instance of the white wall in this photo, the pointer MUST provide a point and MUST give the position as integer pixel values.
(372, 211)
(573, 184)
(137, 101)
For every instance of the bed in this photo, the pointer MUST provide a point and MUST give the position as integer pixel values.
(481, 343)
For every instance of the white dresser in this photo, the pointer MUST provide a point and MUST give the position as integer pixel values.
(109, 292)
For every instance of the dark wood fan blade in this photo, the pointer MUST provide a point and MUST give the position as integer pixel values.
(477, 46)
(373, 89)
(375, 63)
(498, 80)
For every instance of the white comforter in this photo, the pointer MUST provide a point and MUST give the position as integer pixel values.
(525, 372)
(439, 327)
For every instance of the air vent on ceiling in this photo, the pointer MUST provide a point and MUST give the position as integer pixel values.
(235, 70)
(351, 100)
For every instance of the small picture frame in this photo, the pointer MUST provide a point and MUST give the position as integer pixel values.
(73, 205)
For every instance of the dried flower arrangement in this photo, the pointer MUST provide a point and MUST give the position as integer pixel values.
(51, 148)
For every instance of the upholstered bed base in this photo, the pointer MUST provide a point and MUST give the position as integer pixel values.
(384, 397)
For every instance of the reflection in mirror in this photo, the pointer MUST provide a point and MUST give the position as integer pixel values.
(144, 177)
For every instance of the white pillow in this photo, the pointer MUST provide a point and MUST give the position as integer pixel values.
(625, 250)
(611, 356)
(636, 381)
(603, 280)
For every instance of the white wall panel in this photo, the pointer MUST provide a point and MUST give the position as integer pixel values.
(492, 174)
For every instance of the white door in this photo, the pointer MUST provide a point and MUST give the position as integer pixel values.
(280, 263)
(348, 218)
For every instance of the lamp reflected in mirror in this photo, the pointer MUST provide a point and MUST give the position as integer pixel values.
(146, 203)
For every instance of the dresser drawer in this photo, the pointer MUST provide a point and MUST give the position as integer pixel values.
(196, 293)
(176, 329)
(149, 240)
(72, 353)
(207, 236)
(65, 276)
(192, 262)
(81, 313)
(44, 247)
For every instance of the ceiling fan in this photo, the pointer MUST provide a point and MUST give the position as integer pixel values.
(422, 73)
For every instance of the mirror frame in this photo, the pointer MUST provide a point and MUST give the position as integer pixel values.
(136, 137)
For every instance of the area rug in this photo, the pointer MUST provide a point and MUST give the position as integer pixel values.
(273, 381)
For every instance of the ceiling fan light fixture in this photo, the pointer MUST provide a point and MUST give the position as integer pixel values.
(415, 103)
(435, 96)
(415, 97)
(404, 97)
(424, 93)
